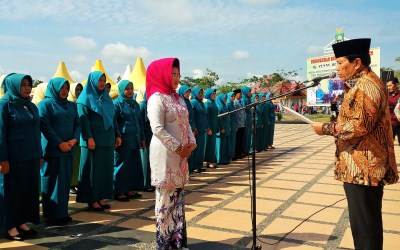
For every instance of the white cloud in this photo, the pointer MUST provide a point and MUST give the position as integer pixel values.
(80, 58)
(80, 43)
(120, 53)
(184, 10)
(198, 73)
(76, 76)
(241, 54)
(261, 1)
(315, 49)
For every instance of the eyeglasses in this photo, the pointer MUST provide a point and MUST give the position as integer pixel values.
(175, 75)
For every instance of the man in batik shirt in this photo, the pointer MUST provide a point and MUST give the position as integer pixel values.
(365, 160)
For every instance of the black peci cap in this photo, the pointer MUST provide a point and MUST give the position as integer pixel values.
(237, 91)
(354, 47)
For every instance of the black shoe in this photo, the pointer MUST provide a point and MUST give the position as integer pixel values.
(133, 196)
(97, 209)
(29, 232)
(73, 190)
(17, 237)
(105, 206)
(149, 189)
(122, 199)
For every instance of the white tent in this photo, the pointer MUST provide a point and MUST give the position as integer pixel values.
(127, 73)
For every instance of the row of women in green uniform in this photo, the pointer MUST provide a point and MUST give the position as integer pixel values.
(57, 131)
(216, 137)
(38, 143)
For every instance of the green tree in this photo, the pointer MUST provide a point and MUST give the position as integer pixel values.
(209, 79)
(204, 82)
(267, 81)
(36, 83)
(396, 71)
(190, 81)
(229, 87)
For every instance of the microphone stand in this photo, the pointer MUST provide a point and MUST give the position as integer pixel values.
(253, 106)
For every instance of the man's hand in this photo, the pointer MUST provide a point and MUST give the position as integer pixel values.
(317, 126)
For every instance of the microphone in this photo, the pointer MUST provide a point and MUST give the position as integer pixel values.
(317, 79)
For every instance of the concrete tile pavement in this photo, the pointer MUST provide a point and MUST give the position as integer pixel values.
(294, 181)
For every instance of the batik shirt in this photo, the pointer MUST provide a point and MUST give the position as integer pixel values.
(240, 115)
(169, 121)
(365, 152)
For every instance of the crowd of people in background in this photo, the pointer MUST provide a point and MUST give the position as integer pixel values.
(69, 139)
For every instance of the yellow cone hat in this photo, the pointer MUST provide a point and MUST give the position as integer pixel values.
(62, 71)
(98, 66)
(1, 89)
(138, 75)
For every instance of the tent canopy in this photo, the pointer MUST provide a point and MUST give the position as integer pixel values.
(62, 71)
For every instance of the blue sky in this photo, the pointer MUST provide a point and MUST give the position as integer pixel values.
(235, 38)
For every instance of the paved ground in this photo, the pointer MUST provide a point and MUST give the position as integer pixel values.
(294, 181)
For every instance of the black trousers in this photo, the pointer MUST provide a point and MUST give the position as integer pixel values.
(239, 143)
(396, 131)
(365, 212)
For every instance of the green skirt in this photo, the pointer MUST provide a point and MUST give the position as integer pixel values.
(96, 173)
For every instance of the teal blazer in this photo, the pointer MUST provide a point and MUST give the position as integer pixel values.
(19, 132)
(130, 124)
(93, 127)
(57, 125)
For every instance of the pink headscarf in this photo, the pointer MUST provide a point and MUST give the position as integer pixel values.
(159, 77)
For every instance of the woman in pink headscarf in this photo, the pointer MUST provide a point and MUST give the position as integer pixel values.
(171, 145)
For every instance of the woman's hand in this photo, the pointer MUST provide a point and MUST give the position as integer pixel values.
(118, 141)
(209, 131)
(191, 146)
(4, 167)
(222, 131)
(91, 144)
(64, 147)
(195, 132)
(72, 142)
(187, 150)
(142, 144)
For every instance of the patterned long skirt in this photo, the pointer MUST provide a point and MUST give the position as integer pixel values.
(170, 219)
